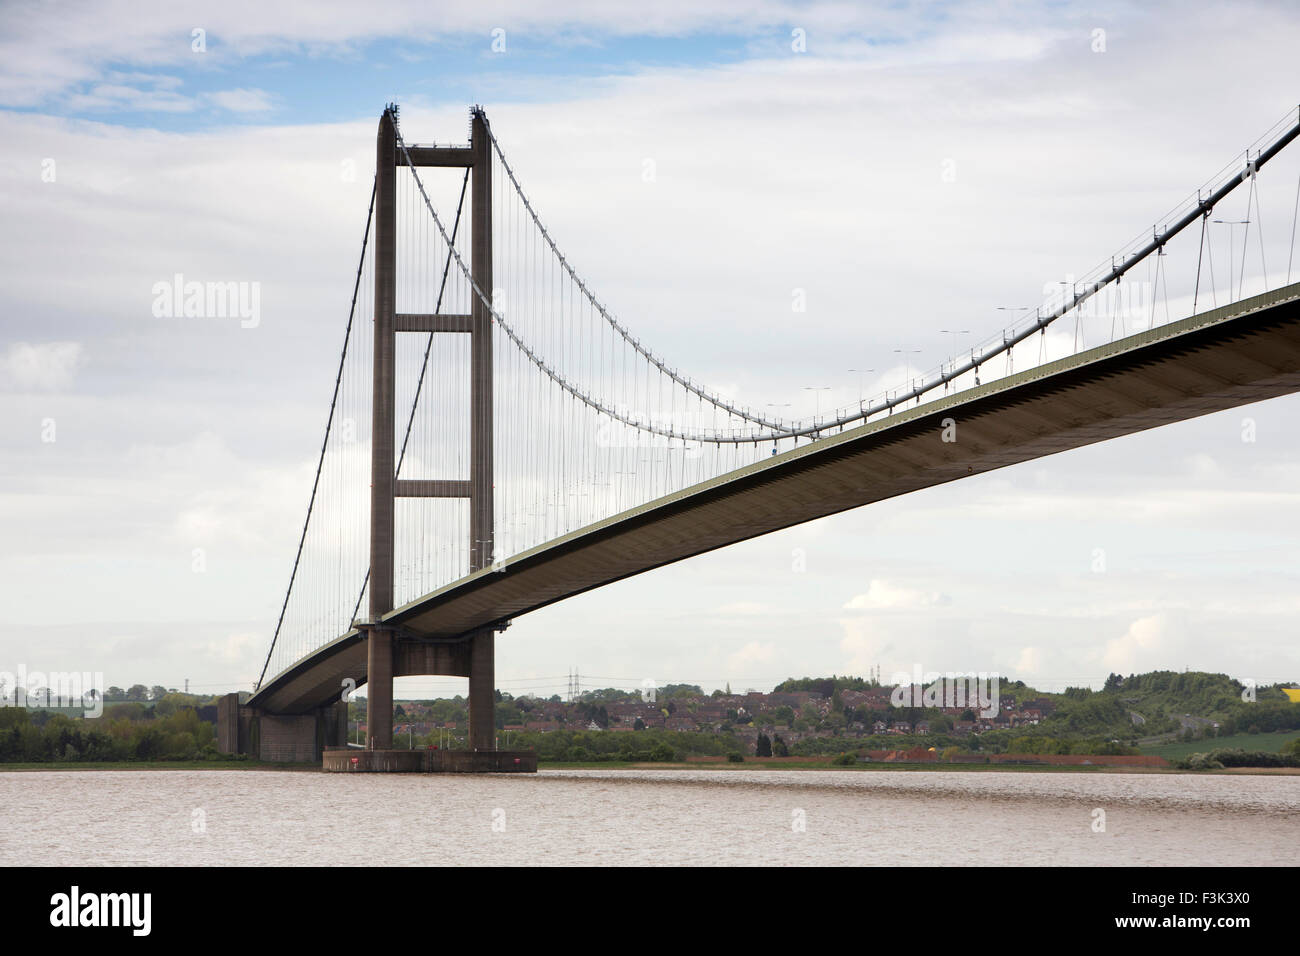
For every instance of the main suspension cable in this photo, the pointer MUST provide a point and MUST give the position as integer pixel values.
(329, 424)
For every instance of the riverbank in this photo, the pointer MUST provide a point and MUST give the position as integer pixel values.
(157, 765)
(751, 766)
(860, 767)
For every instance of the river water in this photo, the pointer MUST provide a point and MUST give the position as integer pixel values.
(653, 817)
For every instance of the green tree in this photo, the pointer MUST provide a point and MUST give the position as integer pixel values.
(662, 753)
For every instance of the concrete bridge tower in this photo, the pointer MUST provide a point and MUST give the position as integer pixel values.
(387, 657)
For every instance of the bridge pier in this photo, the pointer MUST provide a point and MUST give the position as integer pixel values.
(482, 691)
(379, 688)
(280, 738)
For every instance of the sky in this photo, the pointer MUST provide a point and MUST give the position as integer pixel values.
(912, 168)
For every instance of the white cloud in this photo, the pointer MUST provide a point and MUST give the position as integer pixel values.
(44, 51)
(1204, 467)
(238, 649)
(121, 96)
(241, 100)
(753, 653)
(44, 366)
(1144, 645)
(862, 645)
(1029, 662)
(745, 608)
(882, 595)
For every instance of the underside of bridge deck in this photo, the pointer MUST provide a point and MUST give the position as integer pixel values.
(1242, 353)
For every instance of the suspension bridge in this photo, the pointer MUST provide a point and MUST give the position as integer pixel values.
(543, 449)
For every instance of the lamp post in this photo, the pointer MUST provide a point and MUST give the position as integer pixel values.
(861, 372)
(903, 351)
(817, 390)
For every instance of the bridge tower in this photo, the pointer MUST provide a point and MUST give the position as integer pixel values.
(474, 655)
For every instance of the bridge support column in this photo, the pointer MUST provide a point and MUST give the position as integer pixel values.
(379, 689)
(482, 672)
(482, 691)
(379, 655)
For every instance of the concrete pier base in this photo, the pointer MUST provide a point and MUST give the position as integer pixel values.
(355, 760)
(295, 738)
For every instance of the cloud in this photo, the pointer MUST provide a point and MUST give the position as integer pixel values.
(752, 653)
(47, 366)
(862, 646)
(882, 595)
(1204, 467)
(47, 50)
(239, 649)
(1029, 662)
(1143, 646)
(112, 96)
(241, 100)
(746, 608)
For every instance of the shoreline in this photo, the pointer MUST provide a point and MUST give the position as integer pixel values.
(166, 765)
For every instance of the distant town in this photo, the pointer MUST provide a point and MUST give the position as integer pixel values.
(1160, 718)
(798, 715)
(810, 717)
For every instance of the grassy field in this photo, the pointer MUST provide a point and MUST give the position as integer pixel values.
(1269, 742)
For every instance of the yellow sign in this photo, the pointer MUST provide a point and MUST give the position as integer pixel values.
(1293, 693)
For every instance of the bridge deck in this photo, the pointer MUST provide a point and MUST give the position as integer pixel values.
(1244, 352)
